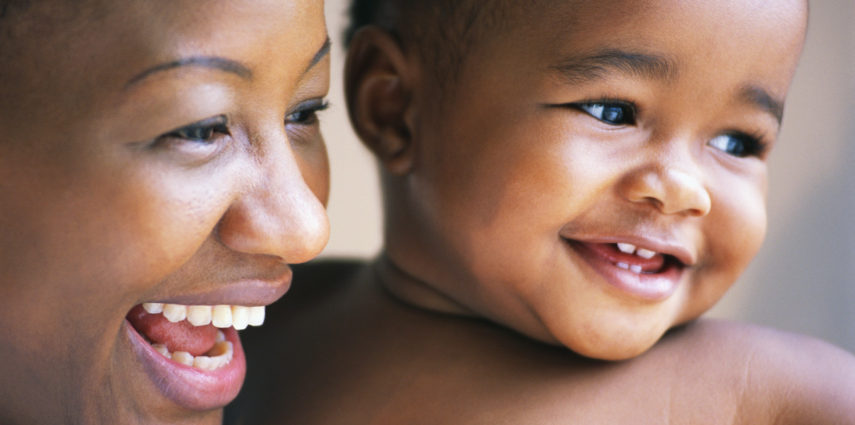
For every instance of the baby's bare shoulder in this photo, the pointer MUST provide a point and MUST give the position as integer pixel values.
(785, 378)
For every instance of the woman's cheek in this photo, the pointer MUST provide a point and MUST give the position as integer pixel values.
(314, 167)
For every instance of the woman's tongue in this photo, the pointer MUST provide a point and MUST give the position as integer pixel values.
(179, 336)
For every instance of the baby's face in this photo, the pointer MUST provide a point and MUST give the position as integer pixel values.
(598, 174)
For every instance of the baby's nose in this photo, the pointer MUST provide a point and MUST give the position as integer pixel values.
(670, 189)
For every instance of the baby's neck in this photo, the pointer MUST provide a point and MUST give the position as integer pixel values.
(410, 290)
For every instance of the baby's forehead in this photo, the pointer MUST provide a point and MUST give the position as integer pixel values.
(573, 29)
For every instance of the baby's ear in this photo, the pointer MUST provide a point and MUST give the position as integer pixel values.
(378, 89)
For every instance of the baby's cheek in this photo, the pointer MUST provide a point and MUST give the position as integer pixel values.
(733, 233)
(741, 231)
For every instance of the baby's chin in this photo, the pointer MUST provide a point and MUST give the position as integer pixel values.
(616, 351)
(610, 343)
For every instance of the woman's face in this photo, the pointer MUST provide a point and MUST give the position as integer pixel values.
(151, 152)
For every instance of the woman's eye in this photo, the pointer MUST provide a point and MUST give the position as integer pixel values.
(613, 113)
(202, 131)
(738, 145)
(306, 112)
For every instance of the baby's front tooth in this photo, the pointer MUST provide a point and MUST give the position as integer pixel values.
(624, 266)
(199, 315)
(626, 247)
(240, 317)
(645, 253)
(153, 308)
(256, 315)
(635, 268)
(174, 312)
(221, 316)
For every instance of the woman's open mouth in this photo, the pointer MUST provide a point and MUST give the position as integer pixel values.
(192, 353)
(639, 272)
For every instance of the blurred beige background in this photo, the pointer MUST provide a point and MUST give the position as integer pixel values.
(803, 278)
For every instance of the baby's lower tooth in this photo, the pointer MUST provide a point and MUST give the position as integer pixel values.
(174, 312)
(240, 317)
(221, 316)
(635, 268)
(199, 315)
(256, 315)
(624, 266)
(183, 357)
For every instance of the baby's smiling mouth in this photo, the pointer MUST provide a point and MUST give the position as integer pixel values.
(637, 271)
(627, 256)
(189, 335)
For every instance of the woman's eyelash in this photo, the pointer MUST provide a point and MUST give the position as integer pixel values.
(306, 113)
(201, 131)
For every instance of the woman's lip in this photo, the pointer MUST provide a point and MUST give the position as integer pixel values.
(644, 286)
(248, 292)
(186, 386)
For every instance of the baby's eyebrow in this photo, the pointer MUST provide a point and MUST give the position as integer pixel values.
(213, 62)
(584, 68)
(758, 96)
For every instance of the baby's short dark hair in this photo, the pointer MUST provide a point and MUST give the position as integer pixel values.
(442, 31)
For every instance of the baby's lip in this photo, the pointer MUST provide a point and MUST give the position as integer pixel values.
(662, 245)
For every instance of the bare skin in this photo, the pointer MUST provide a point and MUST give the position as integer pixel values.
(578, 132)
(341, 350)
(157, 151)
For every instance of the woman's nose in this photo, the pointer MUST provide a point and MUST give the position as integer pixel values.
(669, 188)
(276, 213)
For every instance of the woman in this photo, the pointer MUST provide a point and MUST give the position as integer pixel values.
(160, 166)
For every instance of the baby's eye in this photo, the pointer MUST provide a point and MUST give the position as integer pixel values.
(738, 145)
(202, 131)
(306, 113)
(614, 113)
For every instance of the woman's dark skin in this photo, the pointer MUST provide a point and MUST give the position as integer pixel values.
(158, 151)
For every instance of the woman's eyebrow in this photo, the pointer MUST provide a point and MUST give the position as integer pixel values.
(323, 51)
(580, 69)
(213, 62)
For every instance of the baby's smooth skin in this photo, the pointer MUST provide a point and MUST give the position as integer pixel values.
(593, 176)
(151, 152)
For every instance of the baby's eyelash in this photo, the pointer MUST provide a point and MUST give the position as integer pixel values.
(610, 111)
(741, 144)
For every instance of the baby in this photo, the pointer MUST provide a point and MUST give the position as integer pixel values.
(568, 186)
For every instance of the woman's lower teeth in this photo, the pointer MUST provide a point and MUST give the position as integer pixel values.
(218, 356)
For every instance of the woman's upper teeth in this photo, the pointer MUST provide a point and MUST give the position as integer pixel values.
(629, 248)
(221, 316)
